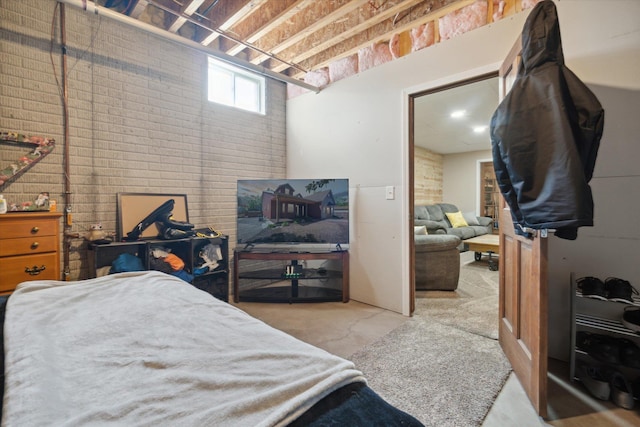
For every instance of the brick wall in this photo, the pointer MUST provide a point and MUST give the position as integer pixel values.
(139, 120)
(427, 177)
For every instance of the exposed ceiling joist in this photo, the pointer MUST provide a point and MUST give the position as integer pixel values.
(305, 26)
(382, 31)
(187, 9)
(293, 37)
(355, 23)
(244, 10)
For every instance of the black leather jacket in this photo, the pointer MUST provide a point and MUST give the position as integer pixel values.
(545, 135)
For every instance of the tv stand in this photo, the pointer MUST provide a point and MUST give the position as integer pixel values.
(291, 276)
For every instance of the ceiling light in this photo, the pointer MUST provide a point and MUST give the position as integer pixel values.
(458, 113)
(479, 129)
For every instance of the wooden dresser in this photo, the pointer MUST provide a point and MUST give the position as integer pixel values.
(29, 248)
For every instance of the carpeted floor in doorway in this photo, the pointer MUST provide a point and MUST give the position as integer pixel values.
(444, 365)
(439, 374)
(473, 307)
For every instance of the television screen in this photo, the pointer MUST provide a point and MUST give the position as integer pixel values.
(286, 211)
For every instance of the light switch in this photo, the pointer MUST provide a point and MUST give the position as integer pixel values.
(391, 192)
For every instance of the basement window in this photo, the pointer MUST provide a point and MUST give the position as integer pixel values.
(235, 87)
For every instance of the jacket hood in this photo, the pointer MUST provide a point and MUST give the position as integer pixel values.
(541, 37)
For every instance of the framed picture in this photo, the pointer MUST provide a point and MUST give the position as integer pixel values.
(134, 207)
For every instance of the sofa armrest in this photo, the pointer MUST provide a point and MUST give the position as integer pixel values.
(436, 242)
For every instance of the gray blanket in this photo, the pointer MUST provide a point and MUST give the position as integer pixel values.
(146, 348)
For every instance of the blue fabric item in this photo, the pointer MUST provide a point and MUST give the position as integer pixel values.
(355, 405)
(126, 262)
(183, 275)
(200, 271)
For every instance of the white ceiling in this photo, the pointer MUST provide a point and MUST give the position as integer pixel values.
(437, 131)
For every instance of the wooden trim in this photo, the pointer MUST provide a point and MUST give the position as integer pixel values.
(412, 244)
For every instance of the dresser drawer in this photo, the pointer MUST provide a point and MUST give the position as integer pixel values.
(12, 228)
(13, 269)
(28, 245)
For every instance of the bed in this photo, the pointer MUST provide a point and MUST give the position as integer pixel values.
(145, 348)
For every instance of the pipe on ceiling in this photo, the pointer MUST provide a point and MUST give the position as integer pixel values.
(91, 7)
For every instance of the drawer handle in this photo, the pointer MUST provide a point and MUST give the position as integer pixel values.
(35, 270)
(34, 230)
(35, 245)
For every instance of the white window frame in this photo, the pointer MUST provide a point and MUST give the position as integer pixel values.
(229, 94)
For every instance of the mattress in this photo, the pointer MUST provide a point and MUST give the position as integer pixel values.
(146, 348)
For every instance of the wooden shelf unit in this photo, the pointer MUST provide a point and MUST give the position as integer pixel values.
(489, 194)
(215, 282)
(598, 317)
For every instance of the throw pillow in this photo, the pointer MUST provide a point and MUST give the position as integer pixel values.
(471, 218)
(456, 219)
(420, 229)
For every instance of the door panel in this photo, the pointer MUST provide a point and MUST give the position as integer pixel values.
(523, 289)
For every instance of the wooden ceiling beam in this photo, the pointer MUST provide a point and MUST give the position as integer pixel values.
(271, 16)
(138, 8)
(379, 33)
(188, 9)
(307, 22)
(235, 11)
(338, 32)
(294, 37)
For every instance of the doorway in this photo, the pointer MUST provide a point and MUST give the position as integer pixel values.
(449, 139)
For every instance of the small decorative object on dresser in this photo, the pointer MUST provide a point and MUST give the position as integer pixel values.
(29, 248)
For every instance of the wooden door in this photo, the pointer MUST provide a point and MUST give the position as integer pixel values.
(523, 288)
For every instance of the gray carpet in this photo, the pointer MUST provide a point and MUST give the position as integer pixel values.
(433, 368)
(473, 307)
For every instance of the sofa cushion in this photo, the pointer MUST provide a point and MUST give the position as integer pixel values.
(471, 218)
(462, 232)
(420, 212)
(484, 221)
(448, 207)
(479, 230)
(432, 226)
(435, 212)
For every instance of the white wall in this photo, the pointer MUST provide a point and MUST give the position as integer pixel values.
(461, 179)
(612, 247)
(357, 128)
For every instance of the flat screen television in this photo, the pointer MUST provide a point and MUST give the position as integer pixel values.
(292, 212)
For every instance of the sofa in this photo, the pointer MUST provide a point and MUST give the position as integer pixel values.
(434, 217)
(437, 261)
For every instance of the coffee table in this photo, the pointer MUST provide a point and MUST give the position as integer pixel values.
(489, 243)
